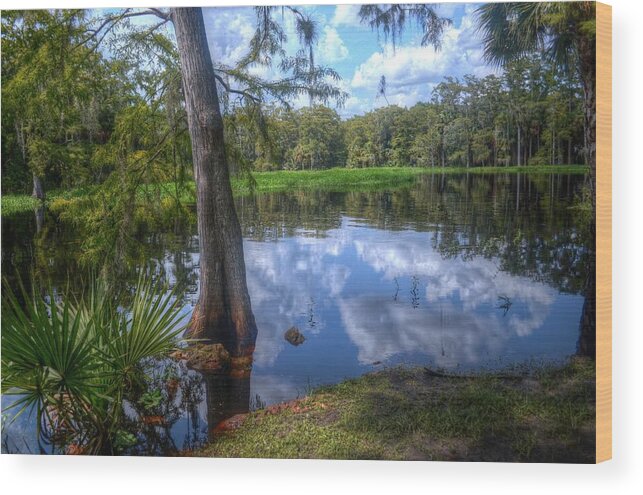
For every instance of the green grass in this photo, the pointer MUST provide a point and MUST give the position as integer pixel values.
(21, 203)
(17, 203)
(334, 179)
(407, 414)
(349, 179)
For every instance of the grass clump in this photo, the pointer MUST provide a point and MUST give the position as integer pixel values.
(409, 414)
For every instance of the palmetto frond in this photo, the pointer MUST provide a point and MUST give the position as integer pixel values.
(512, 30)
(71, 359)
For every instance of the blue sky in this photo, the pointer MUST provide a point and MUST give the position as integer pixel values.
(358, 54)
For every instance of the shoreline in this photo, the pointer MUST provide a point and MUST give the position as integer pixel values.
(333, 179)
(546, 415)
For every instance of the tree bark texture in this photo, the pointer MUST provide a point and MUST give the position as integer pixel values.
(223, 312)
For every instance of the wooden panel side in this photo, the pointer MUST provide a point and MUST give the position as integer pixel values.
(603, 232)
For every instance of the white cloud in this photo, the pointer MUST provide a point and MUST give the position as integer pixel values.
(448, 9)
(412, 71)
(457, 320)
(449, 332)
(229, 32)
(331, 46)
(445, 334)
(346, 15)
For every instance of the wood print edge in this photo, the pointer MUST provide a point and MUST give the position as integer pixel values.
(603, 232)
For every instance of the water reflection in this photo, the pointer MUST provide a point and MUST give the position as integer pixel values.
(226, 396)
(461, 272)
(394, 296)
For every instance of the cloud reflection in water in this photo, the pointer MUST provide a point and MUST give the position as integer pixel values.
(392, 295)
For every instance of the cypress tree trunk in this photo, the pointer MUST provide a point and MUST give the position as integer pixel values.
(223, 313)
(38, 188)
(226, 396)
(518, 151)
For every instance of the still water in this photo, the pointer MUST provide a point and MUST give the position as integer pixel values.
(458, 272)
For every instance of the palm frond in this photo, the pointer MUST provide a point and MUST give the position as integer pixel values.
(72, 359)
(515, 29)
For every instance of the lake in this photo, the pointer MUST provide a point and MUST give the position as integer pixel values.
(457, 272)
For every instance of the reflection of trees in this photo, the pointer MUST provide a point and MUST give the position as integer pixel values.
(226, 395)
(48, 250)
(272, 216)
(524, 226)
(167, 399)
(520, 226)
(524, 221)
(587, 327)
(18, 248)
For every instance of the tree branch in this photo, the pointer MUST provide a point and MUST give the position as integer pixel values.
(236, 91)
(110, 22)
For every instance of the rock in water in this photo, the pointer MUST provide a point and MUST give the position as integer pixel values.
(294, 336)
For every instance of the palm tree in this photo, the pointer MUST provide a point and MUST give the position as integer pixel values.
(565, 32)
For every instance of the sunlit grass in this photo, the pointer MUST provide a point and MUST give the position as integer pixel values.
(17, 203)
(349, 179)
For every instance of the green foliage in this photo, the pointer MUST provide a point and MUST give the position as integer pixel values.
(58, 96)
(391, 19)
(150, 400)
(120, 123)
(124, 440)
(74, 359)
(13, 203)
(319, 141)
(530, 115)
(512, 30)
(564, 34)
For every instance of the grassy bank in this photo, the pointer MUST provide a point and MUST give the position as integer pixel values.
(350, 179)
(17, 203)
(412, 414)
(335, 179)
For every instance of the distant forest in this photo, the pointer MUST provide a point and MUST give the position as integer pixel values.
(530, 115)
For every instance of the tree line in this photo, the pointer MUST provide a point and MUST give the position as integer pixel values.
(529, 115)
(73, 116)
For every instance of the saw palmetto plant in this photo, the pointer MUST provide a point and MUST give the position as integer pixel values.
(73, 360)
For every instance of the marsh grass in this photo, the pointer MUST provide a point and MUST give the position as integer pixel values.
(406, 414)
(17, 203)
(334, 179)
(350, 179)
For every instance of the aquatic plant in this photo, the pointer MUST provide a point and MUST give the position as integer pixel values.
(75, 359)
